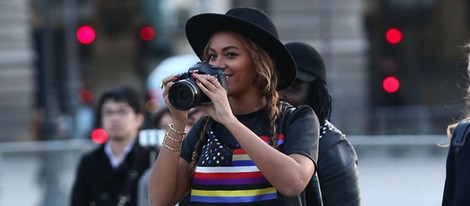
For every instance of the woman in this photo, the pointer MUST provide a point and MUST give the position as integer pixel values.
(457, 183)
(235, 156)
(337, 171)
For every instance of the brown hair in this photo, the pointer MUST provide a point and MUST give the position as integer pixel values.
(265, 80)
(451, 127)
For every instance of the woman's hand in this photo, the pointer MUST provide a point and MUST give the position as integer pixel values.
(176, 114)
(220, 109)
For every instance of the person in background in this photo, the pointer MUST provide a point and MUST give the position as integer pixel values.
(161, 119)
(108, 175)
(457, 182)
(193, 116)
(337, 159)
(235, 156)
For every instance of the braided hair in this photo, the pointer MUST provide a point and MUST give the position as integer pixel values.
(319, 99)
(266, 81)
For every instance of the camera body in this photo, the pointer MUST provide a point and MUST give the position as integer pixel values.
(184, 94)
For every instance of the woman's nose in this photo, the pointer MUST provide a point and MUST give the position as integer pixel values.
(220, 64)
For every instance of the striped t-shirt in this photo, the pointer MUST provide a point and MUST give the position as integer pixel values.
(225, 175)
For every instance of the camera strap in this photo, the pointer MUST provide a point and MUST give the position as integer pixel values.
(132, 177)
(458, 138)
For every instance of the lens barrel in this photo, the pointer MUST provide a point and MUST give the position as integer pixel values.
(184, 94)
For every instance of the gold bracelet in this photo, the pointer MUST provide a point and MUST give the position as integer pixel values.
(168, 147)
(171, 148)
(172, 138)
(174, 130)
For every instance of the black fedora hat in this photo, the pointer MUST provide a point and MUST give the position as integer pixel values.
(251, 23)
(310, 65)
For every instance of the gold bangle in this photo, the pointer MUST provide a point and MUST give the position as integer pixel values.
(174, 130)
(171, 148)
(172, 138)
(168, 147)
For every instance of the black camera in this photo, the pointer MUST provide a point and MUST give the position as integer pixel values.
(184, 94)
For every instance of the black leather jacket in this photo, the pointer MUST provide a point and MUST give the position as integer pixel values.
(337, 171)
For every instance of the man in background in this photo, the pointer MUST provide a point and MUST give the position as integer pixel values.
(108, 175)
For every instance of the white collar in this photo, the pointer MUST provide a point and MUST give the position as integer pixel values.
(115, 161)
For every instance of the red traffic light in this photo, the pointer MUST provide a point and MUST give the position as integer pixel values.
(147, 33)
(391, 84)
(99, 136)
(86, 96)
(86, 34)
(393, 36)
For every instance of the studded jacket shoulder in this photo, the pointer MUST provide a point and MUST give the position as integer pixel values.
(337, 167)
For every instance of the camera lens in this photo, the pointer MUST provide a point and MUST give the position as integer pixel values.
(184, 94)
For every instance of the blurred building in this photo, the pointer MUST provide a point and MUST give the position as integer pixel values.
(16, 70)
(56, 55)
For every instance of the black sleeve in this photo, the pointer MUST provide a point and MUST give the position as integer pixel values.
(449, 181)
(461, 193)
(457, 183)
(80, 192)
(338, 171)
(302, 133)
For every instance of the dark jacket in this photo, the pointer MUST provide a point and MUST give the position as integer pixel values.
(337, 170)
(97, 183)
(457, 183)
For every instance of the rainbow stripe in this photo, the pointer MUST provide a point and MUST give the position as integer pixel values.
(235, 196)
(216, 184)
(280, 139)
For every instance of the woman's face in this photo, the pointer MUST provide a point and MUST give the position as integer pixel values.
(296, 93)
(227, 51)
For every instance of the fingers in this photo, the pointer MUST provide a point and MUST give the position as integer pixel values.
(215, 82)
(210, 86)
(165, 82)
(208, 81)
(210, 78)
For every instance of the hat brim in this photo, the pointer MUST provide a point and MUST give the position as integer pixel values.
(306, 77)
(200, 28)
